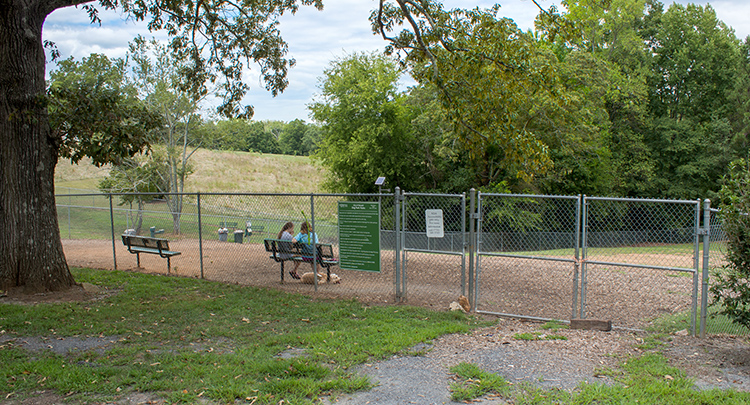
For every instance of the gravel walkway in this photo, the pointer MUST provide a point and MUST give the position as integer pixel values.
(425, 379)
(565, 363)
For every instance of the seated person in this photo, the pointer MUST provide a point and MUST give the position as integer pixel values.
(308, 241)
(285, 248)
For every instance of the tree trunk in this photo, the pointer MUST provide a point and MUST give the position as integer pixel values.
(31, 253)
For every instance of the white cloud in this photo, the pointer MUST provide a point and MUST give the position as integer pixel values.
(315, 38)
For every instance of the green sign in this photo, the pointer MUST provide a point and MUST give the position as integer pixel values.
(359, 235)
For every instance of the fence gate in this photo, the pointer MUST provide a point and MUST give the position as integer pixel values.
(432, 248)
(527, 255)
(632, 261)
(640, 260)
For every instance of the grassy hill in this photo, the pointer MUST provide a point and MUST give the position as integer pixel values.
(216, 171)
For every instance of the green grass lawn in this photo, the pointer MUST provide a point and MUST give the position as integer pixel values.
(184, 339)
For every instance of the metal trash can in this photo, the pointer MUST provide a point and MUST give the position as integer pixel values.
(223, 234)
(238, 236)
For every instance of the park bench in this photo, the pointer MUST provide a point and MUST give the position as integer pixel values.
(284, 250)
(254, 229)
(154, 246)
(231, 225)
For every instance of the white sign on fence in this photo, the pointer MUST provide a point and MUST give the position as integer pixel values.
(434, 223)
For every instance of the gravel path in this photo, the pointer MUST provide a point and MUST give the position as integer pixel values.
(563, 364)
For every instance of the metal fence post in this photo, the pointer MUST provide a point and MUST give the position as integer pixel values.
(472, 248)
(112, 227)
(706, 247)
(403, 226)
(311, 238)
(697, 231)
(584, 241)
(200, 235)
(463, 244)
(399, 284)
(577, 254)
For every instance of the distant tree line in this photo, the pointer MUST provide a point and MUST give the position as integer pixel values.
(278, 137)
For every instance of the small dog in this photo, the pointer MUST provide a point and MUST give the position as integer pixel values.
(309, 278)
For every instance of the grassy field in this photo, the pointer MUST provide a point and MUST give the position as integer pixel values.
(217, 171)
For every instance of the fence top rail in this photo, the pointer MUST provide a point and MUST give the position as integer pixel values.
(647, 200)
(105, 194)
(559, 197)
(433, 195)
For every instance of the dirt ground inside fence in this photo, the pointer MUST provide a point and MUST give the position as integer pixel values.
(631, 298)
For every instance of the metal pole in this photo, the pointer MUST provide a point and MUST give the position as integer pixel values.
(696, 265)
(584, 282)
(200, 234)
(463, 244)
(112, 228)
(472, 247)
(311, 238)
(404, 229)
(577, 254)
(397, 247)
(706, 247)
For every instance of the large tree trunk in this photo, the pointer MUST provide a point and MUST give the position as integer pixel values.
(31, 254)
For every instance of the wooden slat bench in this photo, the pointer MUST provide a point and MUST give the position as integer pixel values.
(284, 250)
(232, 225)
(154, 246)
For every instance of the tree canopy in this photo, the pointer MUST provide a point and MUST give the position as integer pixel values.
(211, 43)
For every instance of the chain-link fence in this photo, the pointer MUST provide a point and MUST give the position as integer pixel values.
(640, 260)
(635, 262)
(714, 262)
(527, 249)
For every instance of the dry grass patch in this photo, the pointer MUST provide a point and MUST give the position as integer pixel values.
(218, 171)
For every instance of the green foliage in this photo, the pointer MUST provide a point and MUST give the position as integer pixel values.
(240, 135)
(365, 131)
(489, 75)
(695, 59)
(232, 36)
(95, 112)
(731, 287)
(298, 138)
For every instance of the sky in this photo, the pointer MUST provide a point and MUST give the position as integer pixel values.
(315, 38)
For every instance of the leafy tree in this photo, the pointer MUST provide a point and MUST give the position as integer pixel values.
(291, 138)
(443, 158)
(213, 43)
(365, 130)
(614, 74)
(137, 176)
(157, 76)
(500, 87)
(731, 287)
(739, 115)
(695, 66)
(95, 111)
(311, 139)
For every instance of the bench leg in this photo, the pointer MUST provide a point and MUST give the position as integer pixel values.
(138, 259)
(169, 265)
(282, 271)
